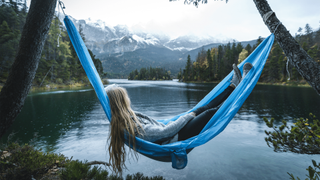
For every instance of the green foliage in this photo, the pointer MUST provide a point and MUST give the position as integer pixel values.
(12, 19)
(139, 176)
(187, 71)
(313, 172)
(25, 162)
(58, 61)
(150, 74)
(80, 170)
(75, 170)
(302, 138)
(213, 64)
(248, 48)
(59, 81)
(243, 55)
(259, 41)
(217, 64)
(97, 63)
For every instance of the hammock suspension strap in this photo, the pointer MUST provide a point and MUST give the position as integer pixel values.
(62, 6)
(266, 16)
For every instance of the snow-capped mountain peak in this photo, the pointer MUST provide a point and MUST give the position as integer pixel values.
(98, 23)
(102, 38)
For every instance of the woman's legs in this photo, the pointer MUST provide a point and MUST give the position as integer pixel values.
(216, 101)
(203, 115)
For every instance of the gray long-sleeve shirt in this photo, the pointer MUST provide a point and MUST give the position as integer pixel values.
(157, 131)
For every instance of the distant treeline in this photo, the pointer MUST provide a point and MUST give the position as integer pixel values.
(214, 64)
(59, 62)
(112, 75)
(150, 74)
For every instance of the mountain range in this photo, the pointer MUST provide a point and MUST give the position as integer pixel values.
(122, 50)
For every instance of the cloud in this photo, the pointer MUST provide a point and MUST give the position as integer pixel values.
(238, 19)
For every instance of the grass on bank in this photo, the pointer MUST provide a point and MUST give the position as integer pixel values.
(50, 86)
(24, 162)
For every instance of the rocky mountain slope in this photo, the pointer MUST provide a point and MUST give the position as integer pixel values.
(122, 50)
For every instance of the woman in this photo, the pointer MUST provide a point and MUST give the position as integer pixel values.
(125, 120)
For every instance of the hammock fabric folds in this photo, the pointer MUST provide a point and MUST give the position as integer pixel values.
(177, 152)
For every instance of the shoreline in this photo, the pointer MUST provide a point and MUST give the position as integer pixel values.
(53, 86)
(287, 83)
(290, 84)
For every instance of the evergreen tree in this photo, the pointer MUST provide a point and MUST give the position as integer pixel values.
(298, 35)
(234, 53)
(187, 76)
(11, 23)
(179, 76)
(273, 69)
(7, 48)
(97, 63)
(259, 40)
(249, 49)
(214, 63)
(317, 40)
(314, 52)
(6, 33)
(309, 35)
(210, 73)
(155, 74)
(220, 64)
(228, 58)
(239, 47)
(282, 67)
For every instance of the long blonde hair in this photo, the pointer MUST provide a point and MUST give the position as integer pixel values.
(123, 121)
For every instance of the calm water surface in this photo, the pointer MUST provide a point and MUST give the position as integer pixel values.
(73, 123)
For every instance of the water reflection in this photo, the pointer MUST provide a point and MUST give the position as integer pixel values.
(52, 114)
(73, 122)
(282, 102)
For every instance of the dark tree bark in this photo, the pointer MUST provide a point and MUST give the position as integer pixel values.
(306, 66)
(23, 70)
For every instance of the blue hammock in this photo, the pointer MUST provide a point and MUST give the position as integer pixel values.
(177, 152)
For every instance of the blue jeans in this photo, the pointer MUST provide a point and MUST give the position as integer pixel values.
(203, 115)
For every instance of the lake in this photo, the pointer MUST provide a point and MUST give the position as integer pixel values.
(72, 122)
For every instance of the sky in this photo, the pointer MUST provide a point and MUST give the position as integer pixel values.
(237, 19)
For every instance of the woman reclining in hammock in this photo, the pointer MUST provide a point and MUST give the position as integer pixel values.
(124, 119)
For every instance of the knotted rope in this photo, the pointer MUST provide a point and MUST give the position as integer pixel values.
(265, 17)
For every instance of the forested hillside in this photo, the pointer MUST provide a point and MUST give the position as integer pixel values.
(150, 74)
(144, 57)
(12, 19)
(214, 64)
(59, 63)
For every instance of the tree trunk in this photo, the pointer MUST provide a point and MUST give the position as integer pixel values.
(23, 70)
(306, 66)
